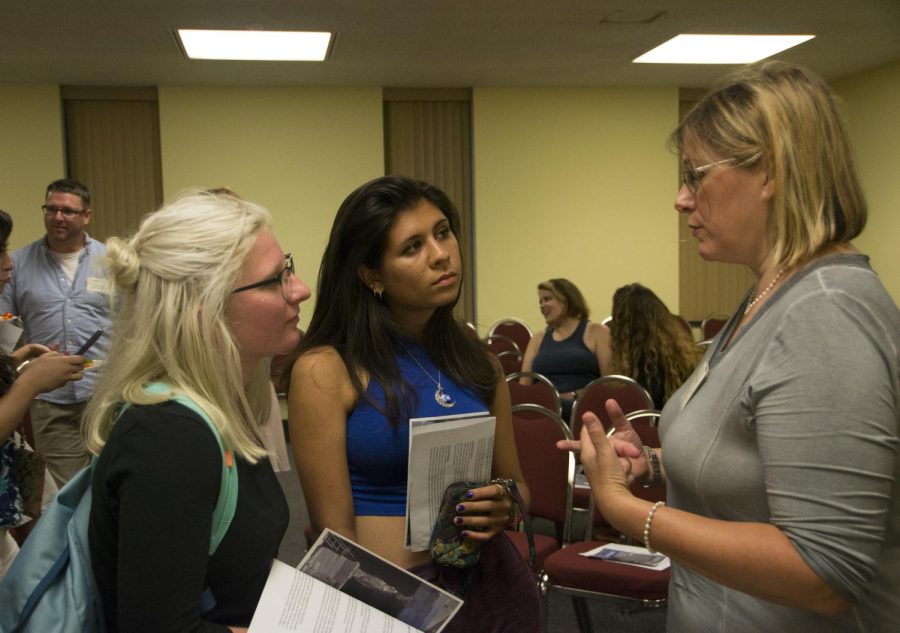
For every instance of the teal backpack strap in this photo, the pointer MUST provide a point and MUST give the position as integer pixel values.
(227, 502)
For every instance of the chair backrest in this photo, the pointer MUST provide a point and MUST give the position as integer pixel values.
(711, 325)
(541, 391)
(510, 361)
(645, 422)
(515, 329)
(624, 390)
(499, 343)
(548, 471)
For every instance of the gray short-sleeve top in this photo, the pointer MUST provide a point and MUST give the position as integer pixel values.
(796, 424)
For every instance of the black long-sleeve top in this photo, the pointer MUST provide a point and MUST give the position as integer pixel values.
(156, 483)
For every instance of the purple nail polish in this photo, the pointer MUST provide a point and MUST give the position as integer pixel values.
(465, 535)
(458, 520)
(460, 508)
(470, 494)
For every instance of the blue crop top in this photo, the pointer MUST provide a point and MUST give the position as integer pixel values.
(377, 453)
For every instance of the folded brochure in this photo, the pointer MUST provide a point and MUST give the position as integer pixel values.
(341, 586)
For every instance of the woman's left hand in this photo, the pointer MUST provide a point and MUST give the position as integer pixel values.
(28, 351)
(603, 466)
(485, 512)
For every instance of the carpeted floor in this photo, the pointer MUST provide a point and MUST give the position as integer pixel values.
(607, 616)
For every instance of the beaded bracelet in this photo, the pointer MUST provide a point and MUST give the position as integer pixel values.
(647, 524)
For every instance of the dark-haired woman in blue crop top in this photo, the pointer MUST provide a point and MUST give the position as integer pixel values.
(383, 346)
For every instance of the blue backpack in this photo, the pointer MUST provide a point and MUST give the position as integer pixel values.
(50, 586)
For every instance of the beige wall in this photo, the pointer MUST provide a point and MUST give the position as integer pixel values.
(297, 151)
(568, 182)
(573, 183)
(873, 103)
(31, 154)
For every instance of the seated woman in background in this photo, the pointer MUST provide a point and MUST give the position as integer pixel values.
(205, 297)
(383, 346)
(47, 371)
(571, 351)
(649, 344)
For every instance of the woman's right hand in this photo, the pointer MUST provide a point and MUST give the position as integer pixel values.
(52, 370)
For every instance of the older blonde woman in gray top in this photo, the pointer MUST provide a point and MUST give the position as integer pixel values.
(780, 451)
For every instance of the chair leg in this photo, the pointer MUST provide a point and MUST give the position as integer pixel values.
(544, 593)
(582, 615)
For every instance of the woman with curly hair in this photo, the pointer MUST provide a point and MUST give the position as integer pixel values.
(649, 344)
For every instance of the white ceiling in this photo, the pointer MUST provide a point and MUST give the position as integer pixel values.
(429, 43)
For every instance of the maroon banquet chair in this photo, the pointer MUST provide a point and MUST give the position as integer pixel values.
(624, 390)
(499, 343)
(568, 573)
(541, 391)
(510, 361)
(512, 328)
(549, 474)
(711, 325)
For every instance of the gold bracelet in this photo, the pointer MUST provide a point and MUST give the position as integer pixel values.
(648, 522)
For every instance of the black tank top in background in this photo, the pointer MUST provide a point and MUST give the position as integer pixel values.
(569, 364)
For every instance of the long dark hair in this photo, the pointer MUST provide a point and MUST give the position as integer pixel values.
(647, 339)
(7, 370)
(349, 317)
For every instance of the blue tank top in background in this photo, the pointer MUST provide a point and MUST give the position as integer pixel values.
(569, 364)
(377, 453)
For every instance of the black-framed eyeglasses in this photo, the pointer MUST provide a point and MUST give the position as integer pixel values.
(284, 278)
(67, 212)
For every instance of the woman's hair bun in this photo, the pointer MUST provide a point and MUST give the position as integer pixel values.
(124, 263)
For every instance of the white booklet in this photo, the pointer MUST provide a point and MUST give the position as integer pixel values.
(443, 450)
(633, 555)
(341, 586)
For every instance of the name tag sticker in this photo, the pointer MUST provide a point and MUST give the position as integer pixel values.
(696, 380)
(98, 284)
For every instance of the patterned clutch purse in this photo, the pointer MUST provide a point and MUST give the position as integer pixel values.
(448, 547)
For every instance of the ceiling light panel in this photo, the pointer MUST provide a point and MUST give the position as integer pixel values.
(309, 46)
(719, 49)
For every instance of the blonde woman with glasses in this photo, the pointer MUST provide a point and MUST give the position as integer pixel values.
(206, 296)
(780, 452)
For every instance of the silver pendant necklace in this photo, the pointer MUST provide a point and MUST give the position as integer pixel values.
(443, 399)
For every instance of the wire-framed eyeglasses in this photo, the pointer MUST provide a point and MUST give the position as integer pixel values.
(284, 278)
(691, 176)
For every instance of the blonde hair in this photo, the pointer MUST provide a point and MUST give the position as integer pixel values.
(786, 119)
(173, 279)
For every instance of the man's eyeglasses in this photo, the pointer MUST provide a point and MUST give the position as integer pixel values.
(691, 176)
(283, 278)
(66, 211)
